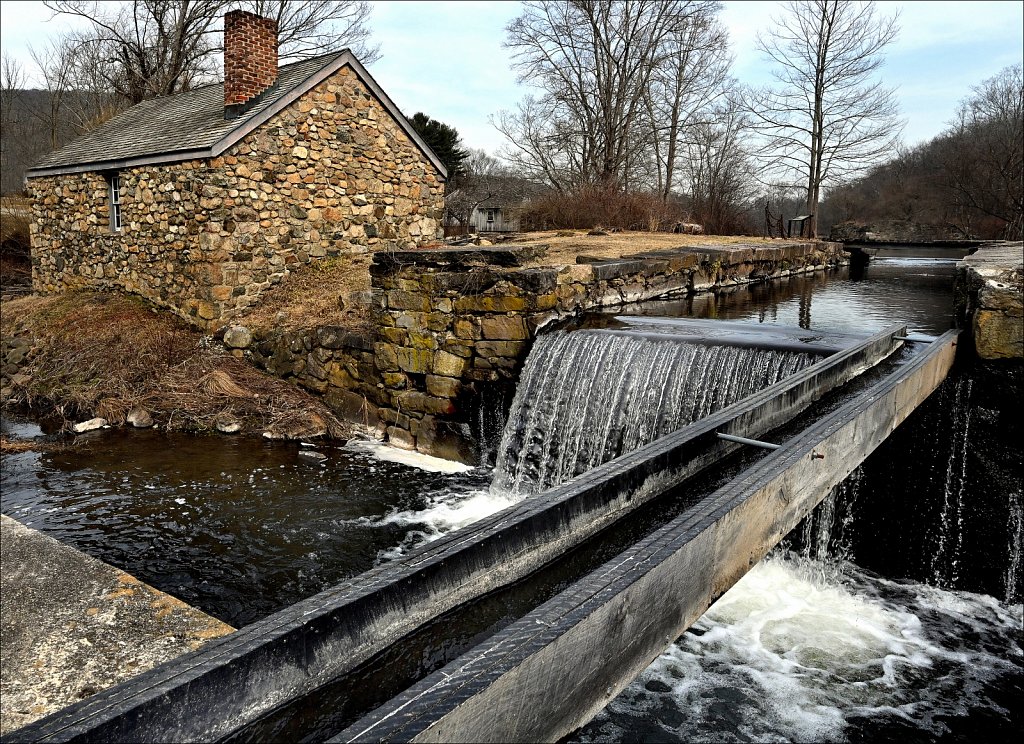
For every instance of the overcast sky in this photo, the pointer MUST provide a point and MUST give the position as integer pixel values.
(446, 58)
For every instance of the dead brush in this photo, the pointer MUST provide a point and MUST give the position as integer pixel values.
(329, 291)
(219, 382)
(10, 446)
(102, 355)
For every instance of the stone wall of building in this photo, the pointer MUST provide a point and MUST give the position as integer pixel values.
(331, 173)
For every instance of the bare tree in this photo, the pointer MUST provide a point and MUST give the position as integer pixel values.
(160, 47)
(56, 63)
(309, 28)
(593, 60)
(966, 182)
(827, 119)
(984, 162)
(717, 167)
(693, 72)
(78, 98)
(12, 79)
(12, 126)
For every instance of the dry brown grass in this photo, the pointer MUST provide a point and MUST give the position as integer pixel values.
(564, 248)
(104, 354)
(309, 296)
(14, 446)
(9, 446)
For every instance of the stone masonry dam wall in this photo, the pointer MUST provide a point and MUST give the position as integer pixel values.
(449, 323)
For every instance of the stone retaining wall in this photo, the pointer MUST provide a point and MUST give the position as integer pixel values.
(990, 299)
(328, 361)
(453, 321)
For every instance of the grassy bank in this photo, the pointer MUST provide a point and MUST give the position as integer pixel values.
(106, 355)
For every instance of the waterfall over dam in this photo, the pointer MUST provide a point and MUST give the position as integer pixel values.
(588, 396)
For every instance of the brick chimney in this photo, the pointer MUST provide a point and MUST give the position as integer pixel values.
(250, 60)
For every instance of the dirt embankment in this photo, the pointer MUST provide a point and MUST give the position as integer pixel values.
(83, 355)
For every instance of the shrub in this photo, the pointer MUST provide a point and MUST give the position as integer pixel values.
(599, 205)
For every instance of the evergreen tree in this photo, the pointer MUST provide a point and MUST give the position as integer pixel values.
(444, 141)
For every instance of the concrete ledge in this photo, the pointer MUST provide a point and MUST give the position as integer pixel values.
(236, 680)
(71, 625)
(551, 671)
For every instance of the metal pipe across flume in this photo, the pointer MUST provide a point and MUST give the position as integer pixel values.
(751, 442)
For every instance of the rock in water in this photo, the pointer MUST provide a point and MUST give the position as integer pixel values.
(313, 458)
(91, 424)
(140, 418)
(228, 425)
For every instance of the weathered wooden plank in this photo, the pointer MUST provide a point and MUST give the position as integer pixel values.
(551, 671)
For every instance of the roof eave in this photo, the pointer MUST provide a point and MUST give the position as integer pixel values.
(174, 156)
(251, 124)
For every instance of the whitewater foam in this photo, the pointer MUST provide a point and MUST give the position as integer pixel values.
(797, 653)
(385, 452)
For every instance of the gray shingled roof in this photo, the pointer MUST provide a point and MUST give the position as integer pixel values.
(192, 125)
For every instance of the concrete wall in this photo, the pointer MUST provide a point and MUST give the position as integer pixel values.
(71, 625)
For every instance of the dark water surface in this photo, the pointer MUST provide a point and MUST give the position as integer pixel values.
(915, 291)
(237, 527)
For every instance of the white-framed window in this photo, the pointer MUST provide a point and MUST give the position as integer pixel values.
(114, 196)
(490, 214)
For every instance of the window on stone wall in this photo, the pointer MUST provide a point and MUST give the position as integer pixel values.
(114, 194)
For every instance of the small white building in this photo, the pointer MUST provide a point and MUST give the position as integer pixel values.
(491, 217)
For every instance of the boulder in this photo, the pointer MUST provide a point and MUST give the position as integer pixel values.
(237, 337)
(140, 418)
(227, 424)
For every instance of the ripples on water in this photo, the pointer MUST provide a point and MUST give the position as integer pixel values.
(236, 527)
(800, 650)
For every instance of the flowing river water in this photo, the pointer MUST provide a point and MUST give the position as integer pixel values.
(894, 610)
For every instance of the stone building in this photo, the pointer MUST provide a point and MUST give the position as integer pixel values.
(202, 200)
